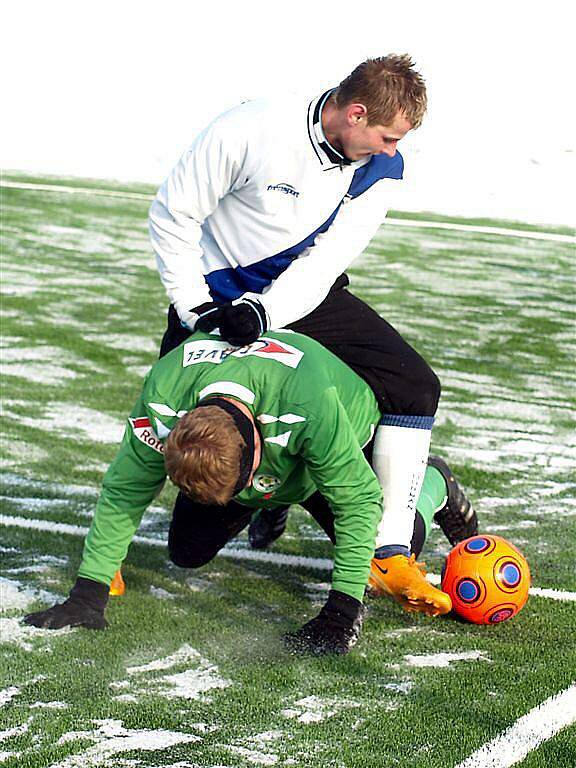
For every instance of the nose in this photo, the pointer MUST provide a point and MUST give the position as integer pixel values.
(389, 149)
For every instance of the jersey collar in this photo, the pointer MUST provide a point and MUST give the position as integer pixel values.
(328, 155)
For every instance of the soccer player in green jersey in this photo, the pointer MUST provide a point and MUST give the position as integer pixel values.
(277, 422)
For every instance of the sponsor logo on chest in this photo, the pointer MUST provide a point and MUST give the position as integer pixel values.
(286, 189)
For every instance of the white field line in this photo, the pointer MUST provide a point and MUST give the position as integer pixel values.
(276, 558)
(527, 733)
(502, 231)
(75, 190)
(482, 230)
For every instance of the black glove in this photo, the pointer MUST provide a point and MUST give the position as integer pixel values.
(84, 608)
(336, 629)
(241, 321)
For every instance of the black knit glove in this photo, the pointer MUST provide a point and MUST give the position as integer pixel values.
(336, 629)
(84, 608)
(241, 321)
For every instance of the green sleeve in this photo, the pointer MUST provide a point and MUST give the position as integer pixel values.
(344, 477)
(132, 481)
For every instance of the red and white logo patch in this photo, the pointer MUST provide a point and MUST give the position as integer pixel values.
(143, 431)
(272, 349)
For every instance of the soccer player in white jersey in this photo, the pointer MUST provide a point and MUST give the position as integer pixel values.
(255, 226)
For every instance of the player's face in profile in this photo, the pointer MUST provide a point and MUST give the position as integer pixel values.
(361, 140)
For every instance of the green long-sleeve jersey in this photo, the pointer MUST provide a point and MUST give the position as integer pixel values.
(314, 415)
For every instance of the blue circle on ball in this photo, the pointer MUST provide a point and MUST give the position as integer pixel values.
(477, 545)
(510, 575)
(468, 591)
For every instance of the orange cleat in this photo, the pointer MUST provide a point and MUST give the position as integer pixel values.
(403, 579)
(117, 586)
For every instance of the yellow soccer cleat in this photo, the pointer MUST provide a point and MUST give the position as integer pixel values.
(117, 586)
(402, 579)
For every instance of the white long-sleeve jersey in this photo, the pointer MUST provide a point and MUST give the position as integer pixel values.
(262, 206)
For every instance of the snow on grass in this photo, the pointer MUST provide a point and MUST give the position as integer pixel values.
(76, 422)
(8, 694)
(112, 739)
(313, 709)
(13, 631)
(441, 660)
(17, 730)
(192, 683)
(15, 596)
(161, 594)
(253, 756)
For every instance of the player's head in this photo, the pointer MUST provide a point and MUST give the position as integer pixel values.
(211, 454)
(376, 105)
(385, 86)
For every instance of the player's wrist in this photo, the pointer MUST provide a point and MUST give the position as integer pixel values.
(93, 594)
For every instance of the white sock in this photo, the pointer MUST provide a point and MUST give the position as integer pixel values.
(399, 460)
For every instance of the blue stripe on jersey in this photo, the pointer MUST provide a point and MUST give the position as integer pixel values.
(230, 283)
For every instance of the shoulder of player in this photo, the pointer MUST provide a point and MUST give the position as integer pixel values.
(272, 117)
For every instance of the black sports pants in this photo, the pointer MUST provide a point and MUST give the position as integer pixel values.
(401, 380)
(198, 532)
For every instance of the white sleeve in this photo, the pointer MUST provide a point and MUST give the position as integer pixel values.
(307, 281)
(205, 173)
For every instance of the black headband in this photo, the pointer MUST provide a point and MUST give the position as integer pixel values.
(246, 428)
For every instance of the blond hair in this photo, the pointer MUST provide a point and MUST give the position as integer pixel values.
(202, 455)
(385, 86)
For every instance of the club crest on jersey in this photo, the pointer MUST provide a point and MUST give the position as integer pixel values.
(266, 483)
(213, 351)
(143, 431)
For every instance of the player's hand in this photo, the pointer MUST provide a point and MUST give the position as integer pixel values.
(336, 629)
(84, 608)
(241, 321)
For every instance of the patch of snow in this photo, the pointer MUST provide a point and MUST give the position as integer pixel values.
(161, 594)
(253, 756)
(183, 655)
(404, 687)
(8, 694)
(112, 739)
(313, 709)
(17, 730)
(13, 631)
(14, 596)
(49, 705)
(189, 684)
(85, 423)
(443, 659)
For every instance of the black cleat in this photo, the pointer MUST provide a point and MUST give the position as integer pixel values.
(268, 526)
(457, 518)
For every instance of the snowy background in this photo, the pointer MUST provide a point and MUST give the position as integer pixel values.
(119, 89)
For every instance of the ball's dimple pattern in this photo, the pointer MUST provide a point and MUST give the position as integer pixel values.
(510, 574)
(477, 544)
(468, 590)
(501, 615)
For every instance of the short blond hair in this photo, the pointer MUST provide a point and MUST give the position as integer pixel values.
(202, 455)
(386, 86)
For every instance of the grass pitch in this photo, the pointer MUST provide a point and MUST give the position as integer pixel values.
(191, 671)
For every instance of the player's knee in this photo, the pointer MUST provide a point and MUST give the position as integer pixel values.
(189, 558)
(422, 392)
(429, 393)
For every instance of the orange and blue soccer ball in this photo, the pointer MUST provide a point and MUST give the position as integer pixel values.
(487, 578)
